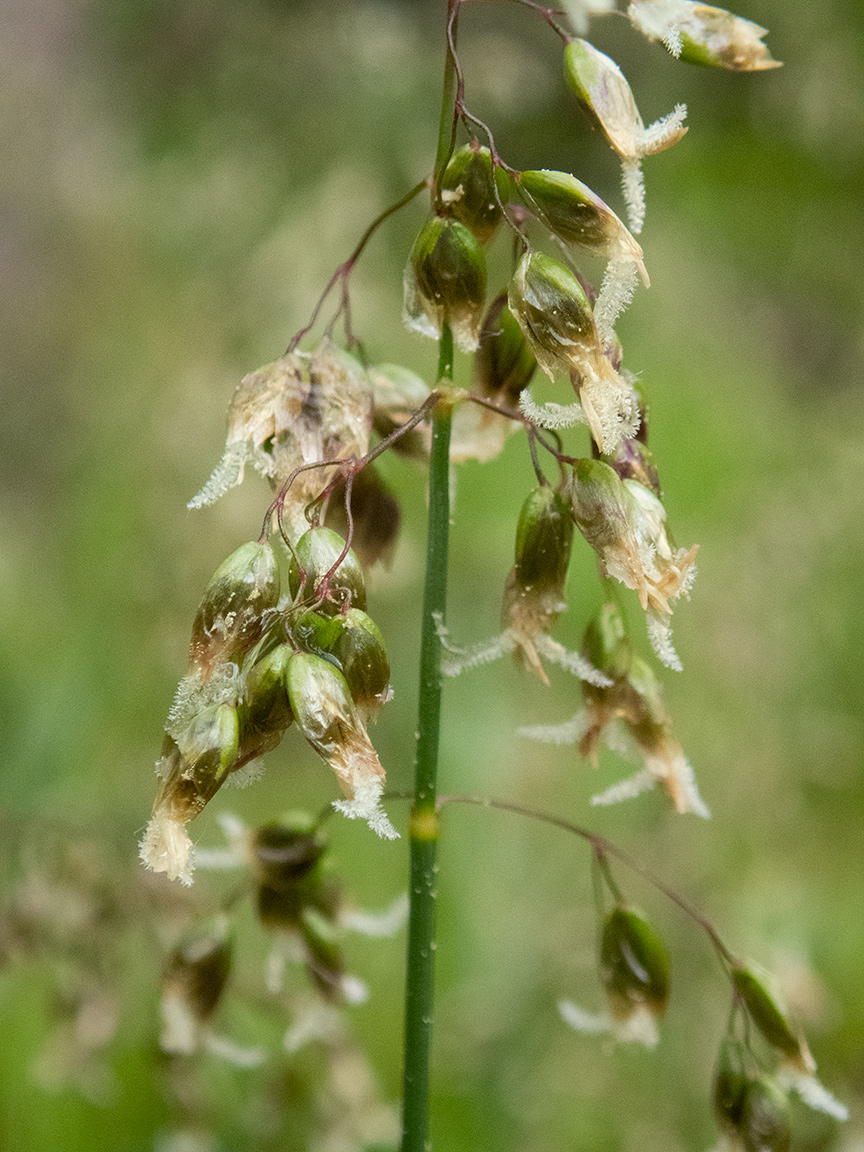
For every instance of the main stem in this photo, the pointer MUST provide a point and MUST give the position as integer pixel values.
(423, 828)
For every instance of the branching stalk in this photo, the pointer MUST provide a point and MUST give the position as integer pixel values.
(340, 276)
(602, 848)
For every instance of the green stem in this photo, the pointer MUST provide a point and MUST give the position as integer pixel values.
(447, 126)
(423, 828)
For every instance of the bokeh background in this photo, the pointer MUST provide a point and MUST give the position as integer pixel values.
(179, 180)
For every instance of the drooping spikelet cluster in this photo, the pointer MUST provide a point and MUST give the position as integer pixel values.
(261, 660)
(762, 1057)
(553, 317)
(301, 907)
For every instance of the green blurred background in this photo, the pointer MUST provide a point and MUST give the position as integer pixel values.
(179, 179)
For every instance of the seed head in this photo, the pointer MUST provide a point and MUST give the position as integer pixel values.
(555, 315)
(445, 282)
(750, 1106)
(634, 971)
(467, 191)
(624, 704)
(579, 217)
(625, 524)
(770, 1015)
(326, 715)
(730, 1084)
(233, 612)
(311, 569)
(192, 985)
(193, 768)
(353, 643)
(602, 87)
(263, 709)
(702, 34)
(534, 593)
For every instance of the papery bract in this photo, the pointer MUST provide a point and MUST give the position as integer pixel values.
(299, 410)
(703, 34)
(579, 217)
(555, 314)
(327, 717)
(625, 524)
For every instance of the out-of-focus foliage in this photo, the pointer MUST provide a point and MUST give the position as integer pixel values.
(179, 181)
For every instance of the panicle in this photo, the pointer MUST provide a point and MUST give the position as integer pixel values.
(222, 723)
